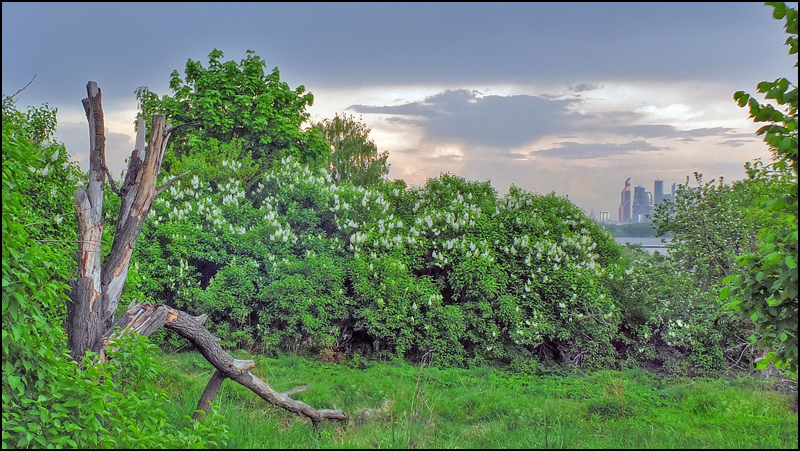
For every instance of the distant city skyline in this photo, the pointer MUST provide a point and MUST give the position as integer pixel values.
(636, 205)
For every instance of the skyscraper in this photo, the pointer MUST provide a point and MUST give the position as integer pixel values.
(625, 202)
(658, 191)
(642, 204)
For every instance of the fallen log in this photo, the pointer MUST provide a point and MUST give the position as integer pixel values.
(145, 319)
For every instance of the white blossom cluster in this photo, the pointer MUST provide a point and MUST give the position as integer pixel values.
(193, 199)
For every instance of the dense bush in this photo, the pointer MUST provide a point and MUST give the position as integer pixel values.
(299, 262)
(670, 323)
(48, 400)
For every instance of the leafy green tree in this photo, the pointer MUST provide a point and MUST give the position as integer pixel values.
(231, 102)
(47, 190)
(354, 156)
(767, 291)
(705, 241)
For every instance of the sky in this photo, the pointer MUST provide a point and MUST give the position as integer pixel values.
(571, 98)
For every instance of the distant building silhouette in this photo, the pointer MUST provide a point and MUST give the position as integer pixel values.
(625, 203)
(658, 191)
(670, 196)
(642, 204)
(637, 205)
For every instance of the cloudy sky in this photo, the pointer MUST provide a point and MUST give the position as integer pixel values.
(566, 97)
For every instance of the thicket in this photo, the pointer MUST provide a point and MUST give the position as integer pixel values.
(261, 238)
(298, 262)
(47, 399)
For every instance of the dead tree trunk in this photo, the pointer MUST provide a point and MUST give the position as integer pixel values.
(96, 292)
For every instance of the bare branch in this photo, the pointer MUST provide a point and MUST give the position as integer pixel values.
(209, 394)
(111, 182)
(166, 185)
(29, 83)
(178, 127)
(138, 148)
(302, 389)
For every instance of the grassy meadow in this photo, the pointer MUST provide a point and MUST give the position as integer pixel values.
(398, 405)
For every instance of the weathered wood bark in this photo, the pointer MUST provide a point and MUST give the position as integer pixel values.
(212, 388)
(85, 323)
(95, 293)
(146, 318)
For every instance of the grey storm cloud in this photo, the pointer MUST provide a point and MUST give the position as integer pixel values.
(734, 142)
(666, 131)
(580, 87)
(504, 122)
(573, 150)
(491, 121)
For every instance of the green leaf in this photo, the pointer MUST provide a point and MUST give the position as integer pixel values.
(780, 10)
(14, 382)
(784, 336)
(754, 317)
(790, 263)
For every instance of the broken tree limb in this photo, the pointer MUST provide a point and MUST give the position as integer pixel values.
(113, 185)
(167, 184)
(146, 318)
(138, 193)
(204, 404)
(178, 127)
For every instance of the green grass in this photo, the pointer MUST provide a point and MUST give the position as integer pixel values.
(488, 408)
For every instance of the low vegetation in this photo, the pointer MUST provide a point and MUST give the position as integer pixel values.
(399, 405)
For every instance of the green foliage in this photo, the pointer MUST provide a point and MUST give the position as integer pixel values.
(672, 324)
(47, 188)
(354, 156)
(705, 239)
(235, 102)
(766, 292)
(637, 229)
(300, 262)
(48, 400)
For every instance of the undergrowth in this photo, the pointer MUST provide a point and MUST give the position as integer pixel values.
(397, 405)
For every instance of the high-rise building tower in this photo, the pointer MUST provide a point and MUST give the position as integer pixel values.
(642, 204)
(658, 191)
(625, 202)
